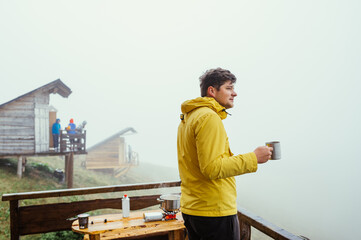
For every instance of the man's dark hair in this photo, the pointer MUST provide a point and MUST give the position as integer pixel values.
(215, 78)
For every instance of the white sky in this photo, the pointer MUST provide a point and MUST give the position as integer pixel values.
(132, 63)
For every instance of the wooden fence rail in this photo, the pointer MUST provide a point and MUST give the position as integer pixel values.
(33, 219)
(72, 142)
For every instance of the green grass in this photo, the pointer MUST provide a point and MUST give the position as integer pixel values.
(38, 176)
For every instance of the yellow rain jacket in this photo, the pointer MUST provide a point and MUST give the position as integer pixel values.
(206, 164)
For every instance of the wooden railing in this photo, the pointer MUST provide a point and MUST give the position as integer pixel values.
(25, 220)
(72, 142)
(248, 220)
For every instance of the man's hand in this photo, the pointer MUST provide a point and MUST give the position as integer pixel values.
(263, 153)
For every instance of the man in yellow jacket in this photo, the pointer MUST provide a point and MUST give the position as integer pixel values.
(206, 164)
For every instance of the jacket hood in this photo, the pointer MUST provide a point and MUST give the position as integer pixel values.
(199, 102)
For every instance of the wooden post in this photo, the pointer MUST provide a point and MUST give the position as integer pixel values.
(69, 169)
(244, 227)
(66, 168)
(62, 142)
(245, 230)
(20, 167)
(94, 237)
(14, 219)
(176, 235)
(84, 140)
(24, 163)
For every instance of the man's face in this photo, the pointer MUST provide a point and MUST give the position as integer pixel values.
(225, 95)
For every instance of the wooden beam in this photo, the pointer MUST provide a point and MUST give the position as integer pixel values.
(86, 191)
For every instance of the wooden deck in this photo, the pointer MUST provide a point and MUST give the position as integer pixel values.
(25, 220)
(70, 144)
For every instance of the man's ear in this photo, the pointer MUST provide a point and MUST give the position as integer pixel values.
(211, 92)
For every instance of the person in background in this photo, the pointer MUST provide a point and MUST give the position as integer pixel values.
(55, 130)
(71, 127)
(80, 127)
(71, 130)
(207, 166)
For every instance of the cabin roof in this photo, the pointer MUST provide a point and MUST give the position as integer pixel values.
(56, 86)
(118, 134)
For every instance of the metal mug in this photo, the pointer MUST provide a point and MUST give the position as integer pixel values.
(276, 153)
(83, 220)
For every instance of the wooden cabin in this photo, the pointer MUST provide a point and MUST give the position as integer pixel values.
(25, 121)
(112, 154)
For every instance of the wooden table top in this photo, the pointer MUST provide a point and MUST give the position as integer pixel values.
(117, 227)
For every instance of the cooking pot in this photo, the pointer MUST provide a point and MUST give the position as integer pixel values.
(169, 202)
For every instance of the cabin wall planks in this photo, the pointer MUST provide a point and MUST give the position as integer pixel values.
(17, 126)
(24, 121)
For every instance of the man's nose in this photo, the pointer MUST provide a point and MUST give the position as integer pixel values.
(234, 94)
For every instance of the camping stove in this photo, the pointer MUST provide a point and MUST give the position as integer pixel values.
(170, 204)
(169, 215)
(160, 216)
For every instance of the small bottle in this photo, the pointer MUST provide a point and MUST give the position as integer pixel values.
(125, 206)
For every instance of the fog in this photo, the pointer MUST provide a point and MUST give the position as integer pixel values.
(132, 63)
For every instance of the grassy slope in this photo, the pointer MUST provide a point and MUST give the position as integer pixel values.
(38, 177)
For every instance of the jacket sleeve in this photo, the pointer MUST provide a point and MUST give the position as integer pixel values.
(214, 156)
